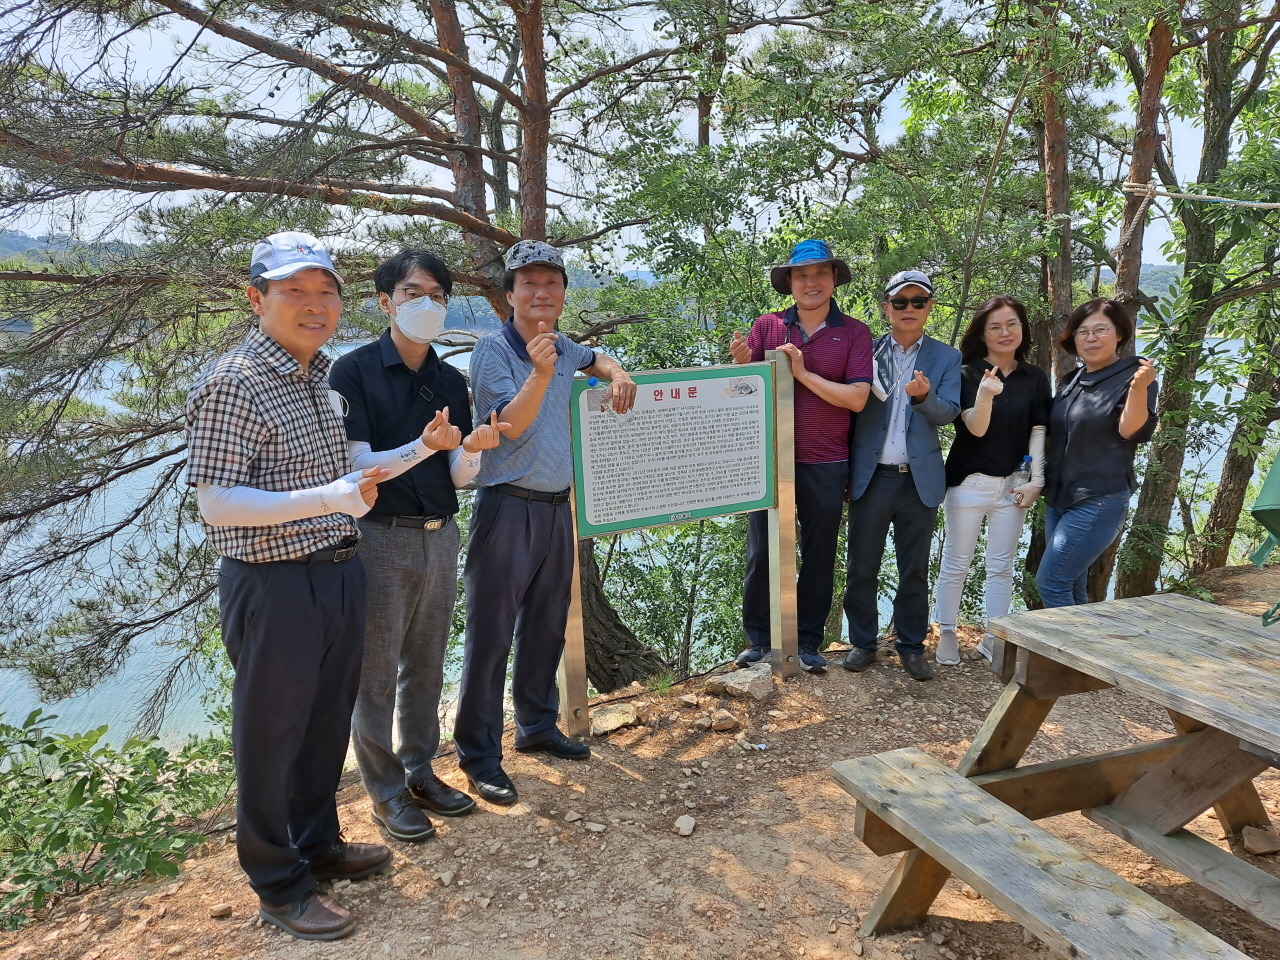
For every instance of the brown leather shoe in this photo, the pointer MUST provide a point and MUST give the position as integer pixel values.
(314, 917)
(351, 861)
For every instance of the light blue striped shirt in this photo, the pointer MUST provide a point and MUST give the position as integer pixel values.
(541, 458)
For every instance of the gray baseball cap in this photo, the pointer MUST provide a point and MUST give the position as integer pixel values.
(907, 278)
(284, 254)
(527, 253)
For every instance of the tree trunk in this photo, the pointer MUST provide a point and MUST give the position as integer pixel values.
(468, 168)
(1143, 551)
(1146, 142)
(1214, 545)
(536, 123)
(615, 656)
(1057, 209)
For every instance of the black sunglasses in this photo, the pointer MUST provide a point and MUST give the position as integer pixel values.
(900, 303)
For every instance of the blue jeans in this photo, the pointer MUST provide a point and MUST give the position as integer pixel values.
(1074, 538)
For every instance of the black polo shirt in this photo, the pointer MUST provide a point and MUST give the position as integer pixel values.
(388, 405)
(1024, 403)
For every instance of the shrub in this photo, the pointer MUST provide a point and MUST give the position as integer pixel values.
(77, 812)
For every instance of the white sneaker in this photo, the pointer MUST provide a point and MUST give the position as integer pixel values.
(948, 654)
(984, 647)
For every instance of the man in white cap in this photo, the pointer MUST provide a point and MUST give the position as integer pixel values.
(521, 543)
(266, 452)
(897, 476)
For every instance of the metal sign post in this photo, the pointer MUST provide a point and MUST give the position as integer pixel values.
(706, 442)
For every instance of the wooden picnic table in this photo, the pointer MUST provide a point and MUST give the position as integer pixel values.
(1216, 671)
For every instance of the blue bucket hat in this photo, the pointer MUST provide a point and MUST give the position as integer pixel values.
(806, 252)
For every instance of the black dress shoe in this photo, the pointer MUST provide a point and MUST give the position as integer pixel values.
(859, 659)
(917, 666)
(495, 787)
(558, 745)
(432, 793)
(401, 818)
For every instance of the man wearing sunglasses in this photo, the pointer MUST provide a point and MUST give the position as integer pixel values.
(897, 474)
(830, 357)
(407, 411)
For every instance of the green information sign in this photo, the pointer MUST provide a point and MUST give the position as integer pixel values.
(698, 443)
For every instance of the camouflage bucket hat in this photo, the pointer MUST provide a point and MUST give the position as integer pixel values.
(527, 253)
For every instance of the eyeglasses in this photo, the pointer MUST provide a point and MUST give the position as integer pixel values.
(413, 293)
(900, 303)
(1013, 326)
(1094, 333)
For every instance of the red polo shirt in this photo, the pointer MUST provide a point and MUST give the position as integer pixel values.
(839, 352)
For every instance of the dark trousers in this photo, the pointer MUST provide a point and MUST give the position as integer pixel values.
(295, 636)
(517, 581)
(820, 491)
(890, 497)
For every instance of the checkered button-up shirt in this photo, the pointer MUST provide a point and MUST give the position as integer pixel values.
(255, 419)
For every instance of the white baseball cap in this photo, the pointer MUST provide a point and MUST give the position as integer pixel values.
(284, 254)
(907, 278)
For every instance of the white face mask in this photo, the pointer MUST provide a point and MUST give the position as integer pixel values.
(421, 320)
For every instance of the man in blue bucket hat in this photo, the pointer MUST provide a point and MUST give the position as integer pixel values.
(830, 357)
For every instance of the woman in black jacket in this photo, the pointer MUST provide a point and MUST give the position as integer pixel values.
(1102, 411)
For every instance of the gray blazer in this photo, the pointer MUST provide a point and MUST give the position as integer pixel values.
(941, 364)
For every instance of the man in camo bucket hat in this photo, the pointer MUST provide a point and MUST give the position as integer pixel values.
(521, 543)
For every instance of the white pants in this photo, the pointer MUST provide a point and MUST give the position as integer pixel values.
(964, 507)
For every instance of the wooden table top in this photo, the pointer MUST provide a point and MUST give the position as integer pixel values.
(1216, 665)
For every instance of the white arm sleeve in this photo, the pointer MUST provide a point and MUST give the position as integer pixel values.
(249, 507)
(1035, 446)
(397, 461)
(463, 466)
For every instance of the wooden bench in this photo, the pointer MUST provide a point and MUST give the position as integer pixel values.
(1067, 900)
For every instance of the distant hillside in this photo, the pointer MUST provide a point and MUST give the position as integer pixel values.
(1154, 279)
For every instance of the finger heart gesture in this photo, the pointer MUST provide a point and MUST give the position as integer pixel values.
(440, 434)
(486, 436)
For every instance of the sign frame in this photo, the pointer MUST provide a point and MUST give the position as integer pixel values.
(784, 624)
(643, 380)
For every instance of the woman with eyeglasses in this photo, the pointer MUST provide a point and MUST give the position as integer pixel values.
(1102, 411)
(1004, 411)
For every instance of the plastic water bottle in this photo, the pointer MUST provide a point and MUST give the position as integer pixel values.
(593, 382)
(1018, 478)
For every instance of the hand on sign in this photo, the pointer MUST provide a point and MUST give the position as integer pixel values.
(542, 350)
(486, 436)
(918, 386)
(1144, 376)
(797, 359)
(622, 393)
(738, 348)
(989, 386)
(440, 434)
(369, 480)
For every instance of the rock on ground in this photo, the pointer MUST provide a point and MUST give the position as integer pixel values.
(611, 717)
(749, 683)
(684, 825)
(1260, 842)
(723, 721)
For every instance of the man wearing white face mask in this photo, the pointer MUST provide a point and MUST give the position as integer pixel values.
(401, 400)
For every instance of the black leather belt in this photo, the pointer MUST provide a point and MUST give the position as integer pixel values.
(418, 523)
(511, 490)
(343, 551)
(894, 467)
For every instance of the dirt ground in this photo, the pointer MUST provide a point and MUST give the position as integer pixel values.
(588, 864)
